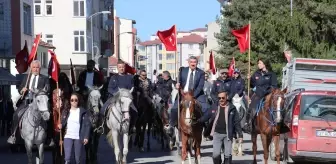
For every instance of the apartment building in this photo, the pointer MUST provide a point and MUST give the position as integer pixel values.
(189, 43)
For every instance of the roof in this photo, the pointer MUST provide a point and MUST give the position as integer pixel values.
(193, 38)
(199, 30)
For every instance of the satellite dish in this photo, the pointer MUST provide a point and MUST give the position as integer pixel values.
(108, 53)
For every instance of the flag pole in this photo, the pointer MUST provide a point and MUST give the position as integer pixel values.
(249, 66)
(59, 116)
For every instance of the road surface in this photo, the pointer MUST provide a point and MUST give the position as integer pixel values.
(156, 156)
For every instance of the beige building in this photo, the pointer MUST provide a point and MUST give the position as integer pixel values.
(210, 42)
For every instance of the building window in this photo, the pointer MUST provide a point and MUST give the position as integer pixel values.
(2, 12)
(79, 41)
(27, 19)
(78, 8)
(49, 7)
(170, 66)
(160, 56)
(170, 56)
(191, 46)
(49, 39)
(43, 58)
(160, 47)
(160, 66)
(37, 7)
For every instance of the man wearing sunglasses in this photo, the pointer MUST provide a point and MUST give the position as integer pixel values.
(224, 123)
(224, 82)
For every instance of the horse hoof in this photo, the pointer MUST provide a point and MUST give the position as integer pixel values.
(171, 146)
(240, 154)
(141, 149)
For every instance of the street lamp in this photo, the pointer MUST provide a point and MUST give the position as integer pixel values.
(119, 41)
(91, 17)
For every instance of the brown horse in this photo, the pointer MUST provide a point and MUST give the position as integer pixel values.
(268, 122)
(191, 131)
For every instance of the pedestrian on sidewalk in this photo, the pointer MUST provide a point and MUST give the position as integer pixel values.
(77, 128)
(224, 123)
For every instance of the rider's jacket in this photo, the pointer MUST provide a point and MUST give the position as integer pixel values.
(120, 81)
(164, 88)
(220, 84)
(97, 81)
(237, 86)
(263, 82)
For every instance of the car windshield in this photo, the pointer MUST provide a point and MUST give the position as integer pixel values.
(317, 107)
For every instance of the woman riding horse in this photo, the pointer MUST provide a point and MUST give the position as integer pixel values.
(262, 82)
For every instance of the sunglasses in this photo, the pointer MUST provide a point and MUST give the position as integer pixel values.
(221, 98)
(143, 75)
(224, 73)
(74, 100)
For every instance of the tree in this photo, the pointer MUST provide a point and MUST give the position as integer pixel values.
(311, 32)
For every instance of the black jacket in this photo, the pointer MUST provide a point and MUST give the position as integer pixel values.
(237, 86)
(85, 123)
(263, 82)
(219, 85)
(82, 78)
(164, 88)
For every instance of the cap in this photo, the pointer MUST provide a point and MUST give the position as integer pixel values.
(225, 70)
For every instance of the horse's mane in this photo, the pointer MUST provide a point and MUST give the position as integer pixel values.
(268, 98)
(121, 93)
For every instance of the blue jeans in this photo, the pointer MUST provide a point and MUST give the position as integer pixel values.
(68, 145)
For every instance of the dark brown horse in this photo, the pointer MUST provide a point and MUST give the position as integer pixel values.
(191, 131)
(268, 122)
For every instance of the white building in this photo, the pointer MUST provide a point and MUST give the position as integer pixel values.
(211, 43)
(65, 24)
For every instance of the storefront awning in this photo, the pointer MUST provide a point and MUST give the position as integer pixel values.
(6, 78)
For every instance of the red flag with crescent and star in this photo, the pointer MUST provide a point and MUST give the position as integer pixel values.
(168, 38)
(242, 36)
(232, 67)
(32, 55)
(53, 66)
(21, 59)
(212, 63)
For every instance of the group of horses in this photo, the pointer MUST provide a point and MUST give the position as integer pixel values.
(150, 117)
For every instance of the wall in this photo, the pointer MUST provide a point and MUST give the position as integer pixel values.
(211, 40)
(6, 30)
(126, 40)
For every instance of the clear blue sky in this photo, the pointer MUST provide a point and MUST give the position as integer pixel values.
(153, 15)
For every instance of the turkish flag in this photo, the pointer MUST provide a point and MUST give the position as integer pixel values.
(21, 59)
(232, 67)
(54, 66)
(242, 36)
(168, 38)
(101, 76)
(129, 69)
(32, 55)
(72, 73)
(212, 63)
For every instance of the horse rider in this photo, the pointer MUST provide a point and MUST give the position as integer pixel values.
(207, 88)
(117, 81)
(262, 82)
(164, 86)
(190, 79)
(88, 78)
(35, 81)
(224, 123)
(143, 86)
(238, 85)
(223, 81)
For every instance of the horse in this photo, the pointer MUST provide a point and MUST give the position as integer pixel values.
(267, 123)
(191, 133)
(238, 102)
(33, 125)
(93, 106)
(118, 122)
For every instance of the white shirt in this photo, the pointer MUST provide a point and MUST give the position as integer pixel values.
(31, 81)
(73, 125)
(186, 87)
(89, 79)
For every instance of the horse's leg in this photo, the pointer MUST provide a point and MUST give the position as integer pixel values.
(115, 140)
(254, 146)
(148, 135)
(28, 146)
(177, 141)
(142, 138)
(125, 149)
(41, 153)
(276, 140)
(184, 146)
(197, 143)
(265, 143)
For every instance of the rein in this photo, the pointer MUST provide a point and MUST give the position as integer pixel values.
(271, 111)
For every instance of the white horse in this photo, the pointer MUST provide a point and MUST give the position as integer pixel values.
(237, 147)
(34, 125)
(118, 121)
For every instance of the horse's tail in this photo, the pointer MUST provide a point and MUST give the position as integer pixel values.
(109, 138)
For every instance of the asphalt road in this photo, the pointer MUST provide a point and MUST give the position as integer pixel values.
(156, 156)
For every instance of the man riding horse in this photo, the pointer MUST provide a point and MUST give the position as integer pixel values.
(35, 81)
(163, 87)
(88, 78)
(190, 79)
(118, 81)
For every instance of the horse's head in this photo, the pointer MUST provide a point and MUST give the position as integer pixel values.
(94, 98)
(276, 101)
(123, 100)
(188, 101)
(161, 109)
(40, 103)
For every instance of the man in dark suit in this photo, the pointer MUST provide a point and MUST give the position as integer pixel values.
(88, 77)
(35, 81)
(190, 79)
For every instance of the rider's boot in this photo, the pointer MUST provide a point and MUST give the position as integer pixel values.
(12, 138)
